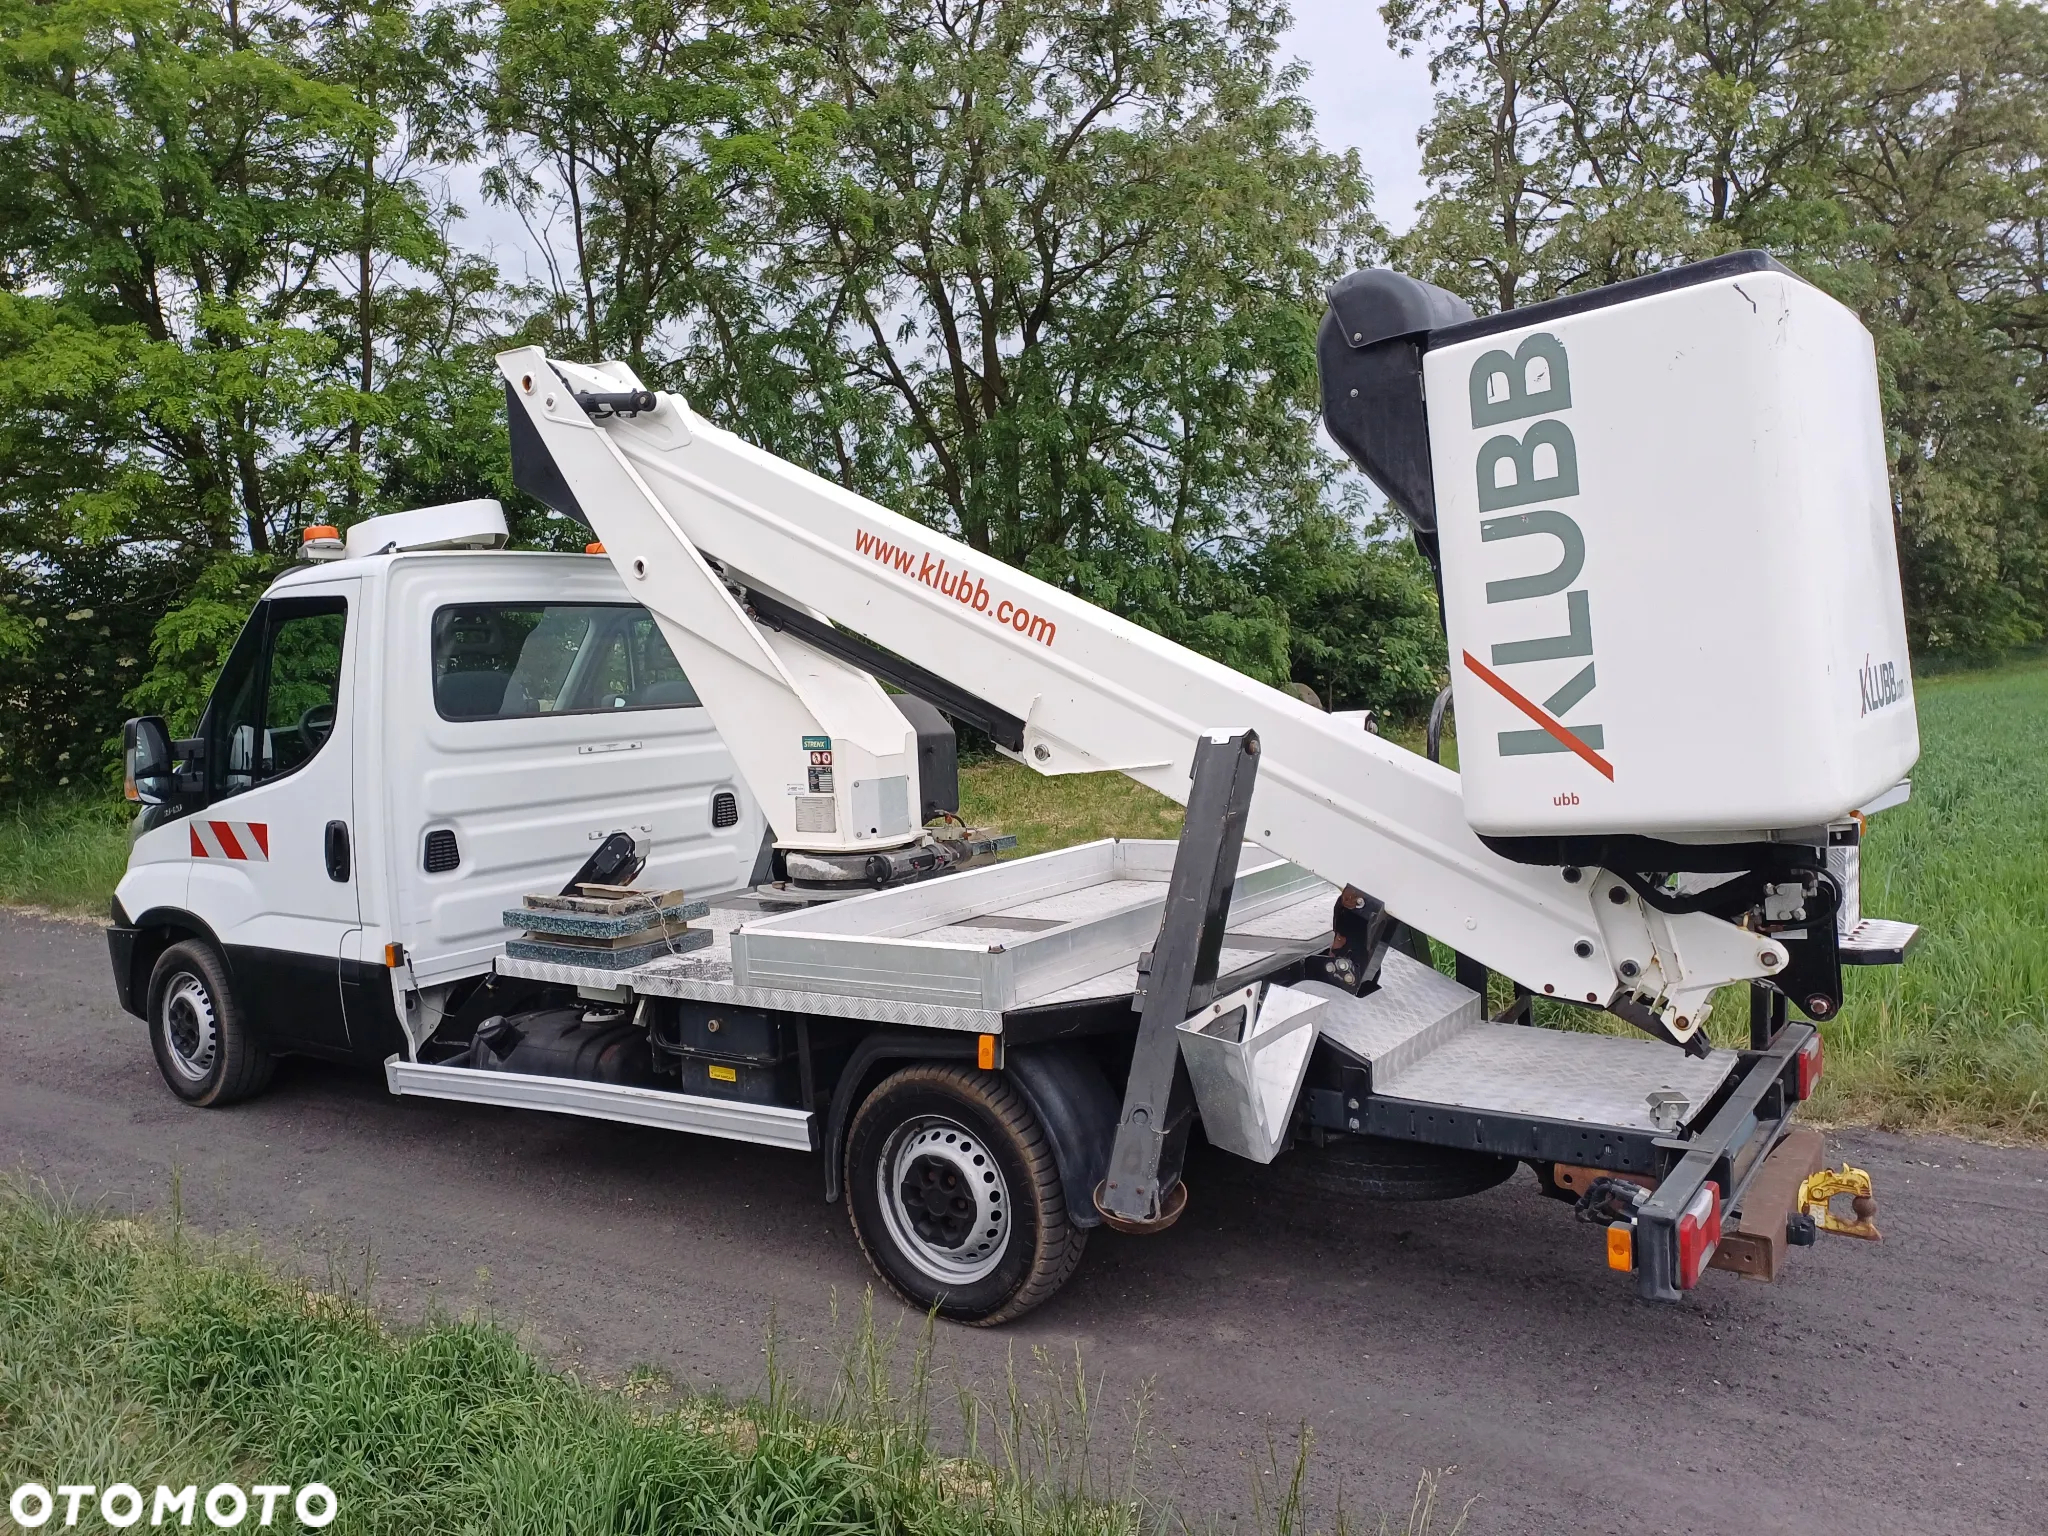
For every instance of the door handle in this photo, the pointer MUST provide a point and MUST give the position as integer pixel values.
(337, 850)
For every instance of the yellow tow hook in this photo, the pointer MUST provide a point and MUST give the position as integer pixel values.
(1817, 1192)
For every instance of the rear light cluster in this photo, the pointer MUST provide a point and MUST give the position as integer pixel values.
(1699, 1234)
(1810, 1064)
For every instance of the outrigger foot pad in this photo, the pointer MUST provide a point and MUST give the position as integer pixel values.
(1171, 1204)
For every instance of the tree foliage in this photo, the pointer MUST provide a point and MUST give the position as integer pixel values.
(1044, 274)
(1891, 150)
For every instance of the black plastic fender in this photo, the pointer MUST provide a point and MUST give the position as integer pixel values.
(1077, 1107)
(134, 943)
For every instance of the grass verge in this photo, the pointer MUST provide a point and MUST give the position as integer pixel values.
(1047, 813)
(143, 1355)
(65, 854)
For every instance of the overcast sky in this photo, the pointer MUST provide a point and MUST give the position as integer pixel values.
(1365, 96)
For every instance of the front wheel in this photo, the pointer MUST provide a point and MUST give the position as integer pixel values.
(955, 1195)
(203, 1045)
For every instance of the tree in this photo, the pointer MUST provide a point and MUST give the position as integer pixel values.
(1071, 258)
(166, 206)
(407, 69)
(1545, 153)
(186, 192)
(1943, 184)
(1890, 150)
(648, 130)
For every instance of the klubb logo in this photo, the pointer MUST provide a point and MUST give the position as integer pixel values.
(1517, 469)
(1883, 683)
(122, 1505)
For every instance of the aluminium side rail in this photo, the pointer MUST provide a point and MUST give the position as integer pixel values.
(668, 494)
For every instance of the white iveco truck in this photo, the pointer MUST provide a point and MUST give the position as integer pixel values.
(1660, 520)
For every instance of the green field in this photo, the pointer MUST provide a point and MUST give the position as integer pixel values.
(1957, 1039)
(139, 1353)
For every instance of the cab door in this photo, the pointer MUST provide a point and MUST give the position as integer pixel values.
(273, 851)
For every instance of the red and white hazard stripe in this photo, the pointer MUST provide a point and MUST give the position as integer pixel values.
(231, 840)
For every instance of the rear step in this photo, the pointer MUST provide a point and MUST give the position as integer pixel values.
(1415, 1061)
(1877, 941)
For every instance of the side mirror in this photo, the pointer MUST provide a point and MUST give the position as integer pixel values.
(146, 757)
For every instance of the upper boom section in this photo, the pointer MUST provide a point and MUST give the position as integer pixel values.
(1093, 691)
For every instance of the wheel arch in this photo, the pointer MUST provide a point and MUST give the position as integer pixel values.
(149, 935)
(1063, 1085)
(876, 1056)
(1078, 1110)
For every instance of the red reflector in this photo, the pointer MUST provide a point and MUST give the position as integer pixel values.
(1699, 1234)
(1810, 1064)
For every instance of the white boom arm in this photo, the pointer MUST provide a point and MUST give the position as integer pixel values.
(1094, 691)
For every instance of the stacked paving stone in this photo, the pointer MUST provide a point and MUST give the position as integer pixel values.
(607, 927)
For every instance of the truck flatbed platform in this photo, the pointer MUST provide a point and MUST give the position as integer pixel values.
(1101, 922)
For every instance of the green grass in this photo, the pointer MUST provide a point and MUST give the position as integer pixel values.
(1046, 813)
(142, 1354)
(63, 854)
(1956, 1039)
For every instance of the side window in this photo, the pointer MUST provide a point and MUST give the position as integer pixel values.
(233, 713)
(607, 671)
(273, 707)
(502, 661)
(658, 676)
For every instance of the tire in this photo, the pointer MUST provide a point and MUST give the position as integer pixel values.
(202, 1041)
(1381, 1168)
(952, 1135)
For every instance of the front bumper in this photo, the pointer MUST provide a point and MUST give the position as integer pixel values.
(121, 941)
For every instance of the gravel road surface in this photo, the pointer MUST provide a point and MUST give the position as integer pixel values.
(1879, 1388)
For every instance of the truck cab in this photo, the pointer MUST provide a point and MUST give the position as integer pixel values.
(407, 737)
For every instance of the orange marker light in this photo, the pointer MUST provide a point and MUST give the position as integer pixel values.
(394, 956)
(985, 1053)
(593, 549)
(1621, 1246)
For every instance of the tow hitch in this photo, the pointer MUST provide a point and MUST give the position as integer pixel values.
(1817, 1195)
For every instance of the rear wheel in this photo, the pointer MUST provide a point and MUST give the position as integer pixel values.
(955, 1196)
(203, 1044)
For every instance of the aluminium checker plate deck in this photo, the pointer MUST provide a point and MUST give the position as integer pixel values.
(1290, 916)
(1427, 1045)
